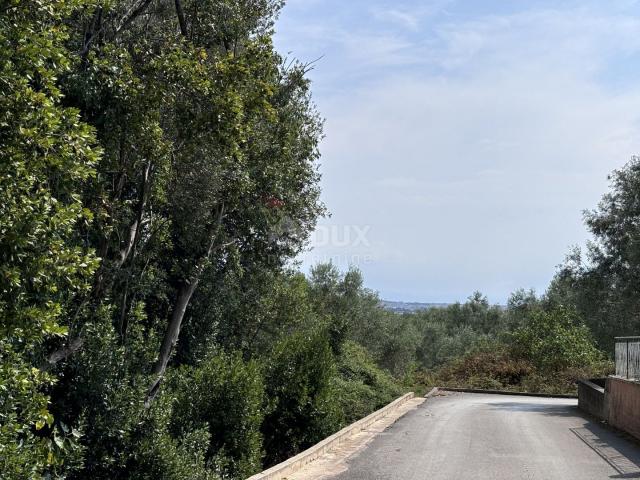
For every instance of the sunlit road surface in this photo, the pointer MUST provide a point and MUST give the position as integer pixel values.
(495, 437)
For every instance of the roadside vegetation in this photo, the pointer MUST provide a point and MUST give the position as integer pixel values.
(158, 176)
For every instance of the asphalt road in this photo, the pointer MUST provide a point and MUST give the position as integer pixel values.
(495, 437)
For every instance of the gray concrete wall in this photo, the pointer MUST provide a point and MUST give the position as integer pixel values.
(591, 399)
(623, 404)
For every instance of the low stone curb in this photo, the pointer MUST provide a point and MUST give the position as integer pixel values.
(294, 464)
(505, 392)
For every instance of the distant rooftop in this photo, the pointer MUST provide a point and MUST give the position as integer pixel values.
(395, 306)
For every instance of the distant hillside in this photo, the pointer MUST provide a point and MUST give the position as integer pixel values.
(410, 306)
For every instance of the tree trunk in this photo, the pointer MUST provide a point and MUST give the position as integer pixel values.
(182, 301)
(181, 20)
(171, 337)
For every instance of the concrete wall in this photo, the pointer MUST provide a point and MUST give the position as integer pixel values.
(591, 399)
(623, 404)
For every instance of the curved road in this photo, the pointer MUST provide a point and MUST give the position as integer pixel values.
(495, 437)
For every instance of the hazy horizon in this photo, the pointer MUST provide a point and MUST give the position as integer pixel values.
(464, 140)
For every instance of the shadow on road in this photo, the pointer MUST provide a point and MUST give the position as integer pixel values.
(621, 453)
(618, 451)
(541, 408)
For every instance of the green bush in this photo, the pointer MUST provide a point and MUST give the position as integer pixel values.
(224, 397)
(95, 392)
(484, 383)
(362, 387)
(556, 340)
(157, 453)
(302, 394)
(502, 367)
(564, 381)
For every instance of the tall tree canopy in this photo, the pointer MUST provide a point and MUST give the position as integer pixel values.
(149, 148)
(604, 284)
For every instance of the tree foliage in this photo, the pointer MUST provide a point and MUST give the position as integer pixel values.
(223, 396)
(194, 161)
(45, 267)
(556, 340)
(602, 283)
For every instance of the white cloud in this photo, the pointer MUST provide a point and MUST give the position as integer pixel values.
(404, 18)
(563, 39)
(409, 16)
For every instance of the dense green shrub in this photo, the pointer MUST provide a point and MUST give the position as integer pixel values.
(223, 396)
(500, 366)
(122, 439)
(362, 386)
(564, 381)
(302, 395)
(556, 340)
(101, 393)
(156, 452)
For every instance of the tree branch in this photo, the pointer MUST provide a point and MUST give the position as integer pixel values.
(64, 353)
(182, 302)
(132, 15)
(134, 229)
(181, 19)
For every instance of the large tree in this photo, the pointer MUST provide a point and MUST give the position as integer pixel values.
(209, 170)
(47, 154)
(206, 171)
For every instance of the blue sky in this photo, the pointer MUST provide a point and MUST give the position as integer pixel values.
(465, 138)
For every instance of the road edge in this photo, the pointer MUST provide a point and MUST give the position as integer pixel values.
(505, 392)
(295, 463)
